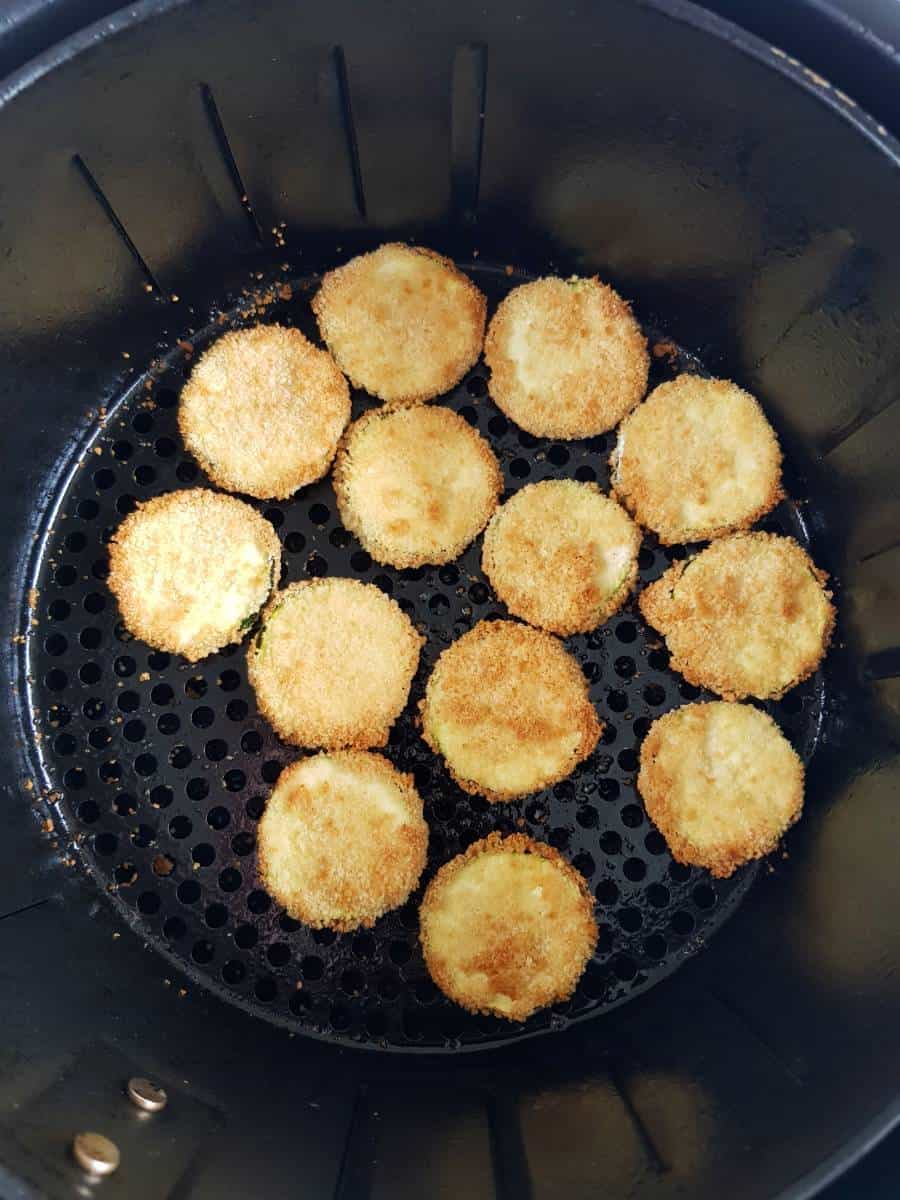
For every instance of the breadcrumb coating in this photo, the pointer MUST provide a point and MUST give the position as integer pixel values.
(508, 927)
(416, 485)
(697, 460)
(721, 783)
(403, 322)
(191, 569)
(747, 616)
(567, 358)
(342, 839)
(263, 411)
(508, 709)
(333, 663)
(561, 555)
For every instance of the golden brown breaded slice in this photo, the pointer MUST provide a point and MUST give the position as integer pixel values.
(342, 839)
(561, 555)
(403, 322)
(508, 927)
(747, 616)
(508, 708)
(263, 411)
(333, 663)
(415, 485)
(191, 569)
(696, 460)
(567, 358)
(721, 783)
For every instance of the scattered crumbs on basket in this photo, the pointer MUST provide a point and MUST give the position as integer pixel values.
(28, 785)
(125, 354)
(98, 449)
(175, 297)
(143, 677)
(47, 825)
(185, 346)
(508, 269)
(182, 992)
(116, 935)
(33, 597)
(665, 349)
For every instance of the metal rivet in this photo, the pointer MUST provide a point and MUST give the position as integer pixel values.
(147, 1095)
(95, 1153)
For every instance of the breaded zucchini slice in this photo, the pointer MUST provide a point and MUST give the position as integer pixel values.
(342, 839)
(263, 411)
(333, 663)
(416, 485)
(191, 569)
(403, 322)
(567, 358)
(721, 783)
(561, 555)
(747, 616)
(508, 927)
(508, 709)
(697, 460)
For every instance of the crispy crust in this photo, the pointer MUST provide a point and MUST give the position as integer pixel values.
(567, 358)
(190, 570)
(747, 616)
(721, 783)
(530, 956)
(332, 664)
(404, 340)
(561, 555)
(263, 411)
(342, 840)
(507, 707)
(415, 485)
(697, 460)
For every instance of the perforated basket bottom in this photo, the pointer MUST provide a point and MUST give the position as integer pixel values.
(164, 767)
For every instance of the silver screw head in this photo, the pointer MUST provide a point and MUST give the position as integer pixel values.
(95, 1153)
(146, 1095)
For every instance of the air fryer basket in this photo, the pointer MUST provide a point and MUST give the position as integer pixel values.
(183, 169)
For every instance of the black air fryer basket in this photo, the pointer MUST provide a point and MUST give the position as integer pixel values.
(182, 169)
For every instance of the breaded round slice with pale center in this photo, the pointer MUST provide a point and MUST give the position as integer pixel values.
(567, 358)
(402, 322)
(721, 783)
(747, 616)
(415, 485)
(342, 839)
(333, 663)
(696, 460)
(191, 569)
(508, 927)
(263, 411)
(508, 708)
(561, 555)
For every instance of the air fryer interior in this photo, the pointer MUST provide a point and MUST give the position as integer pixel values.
(192, 161)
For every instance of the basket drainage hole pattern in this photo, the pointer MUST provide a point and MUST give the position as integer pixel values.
(164, 766)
